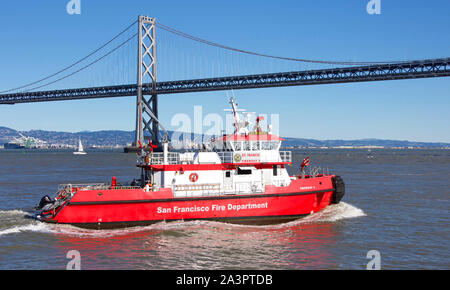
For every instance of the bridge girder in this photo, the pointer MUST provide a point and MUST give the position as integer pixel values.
(405, 70)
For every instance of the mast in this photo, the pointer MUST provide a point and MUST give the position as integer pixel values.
(235, 114)
(239, 125)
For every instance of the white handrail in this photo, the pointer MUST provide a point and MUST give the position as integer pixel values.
(225, 157)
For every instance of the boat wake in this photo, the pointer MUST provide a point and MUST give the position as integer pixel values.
(334, 213)
(331, 213)
(18, 221)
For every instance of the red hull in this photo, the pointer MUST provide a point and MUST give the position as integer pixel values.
(128, 207)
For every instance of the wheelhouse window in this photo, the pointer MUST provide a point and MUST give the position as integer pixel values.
(229, 146)
(218, 146)
(238, 146)
(265, 145)
(270, 145)
(275, 145)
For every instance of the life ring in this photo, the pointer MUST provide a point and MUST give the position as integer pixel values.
(193, 177)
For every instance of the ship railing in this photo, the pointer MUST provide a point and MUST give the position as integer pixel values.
(82, 186)
(225, 157)
(94, 186)
(158, 158)
(117, 187)
(215, 189)
(228, 157)
(198, 187)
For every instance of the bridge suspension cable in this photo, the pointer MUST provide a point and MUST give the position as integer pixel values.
(197, 39)
(75, 63)
(121, 69)
(86, 66)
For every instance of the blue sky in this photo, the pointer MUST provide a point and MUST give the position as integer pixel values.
(40, 37)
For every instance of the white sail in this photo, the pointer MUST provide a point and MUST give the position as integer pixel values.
(80, 148)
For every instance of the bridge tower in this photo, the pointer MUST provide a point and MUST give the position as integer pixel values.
(146, 109)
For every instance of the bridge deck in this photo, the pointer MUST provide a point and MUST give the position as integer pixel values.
(405, 70)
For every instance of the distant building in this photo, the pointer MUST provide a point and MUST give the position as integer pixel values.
(25, 143)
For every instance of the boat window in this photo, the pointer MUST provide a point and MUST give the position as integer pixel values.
(246, 146)
(269, 145)
(230, 146)
(243, 171)
(226, 146)
(254, 146)
(275, 170)
(265, 145)
(274, 145)
(221, 146)
(238, 146)
(228, 174)
(216, 145)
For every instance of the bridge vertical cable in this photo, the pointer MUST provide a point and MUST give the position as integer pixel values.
(109, 64)
(188, 63)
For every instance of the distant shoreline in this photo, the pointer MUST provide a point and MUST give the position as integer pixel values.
(366, 148)
(282, 148)
(120, 139)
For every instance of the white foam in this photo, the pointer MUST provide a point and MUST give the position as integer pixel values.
(331, 213)
(335, 212)
(12, 212)
(35, 227)
(80, 232)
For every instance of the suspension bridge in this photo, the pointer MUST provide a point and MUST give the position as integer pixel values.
(193, 64)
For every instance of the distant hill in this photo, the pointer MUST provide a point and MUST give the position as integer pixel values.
(98, 138)
(108, 138)
(122, 138)
(7, 134)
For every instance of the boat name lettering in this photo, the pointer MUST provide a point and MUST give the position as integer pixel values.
(251, 154)
(214, 207)
(249, 157)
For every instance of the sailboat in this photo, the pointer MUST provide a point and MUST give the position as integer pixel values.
(80, 149)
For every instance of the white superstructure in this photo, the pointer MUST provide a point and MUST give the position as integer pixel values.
(240, 163)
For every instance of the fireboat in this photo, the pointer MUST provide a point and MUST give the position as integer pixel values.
(236, 178)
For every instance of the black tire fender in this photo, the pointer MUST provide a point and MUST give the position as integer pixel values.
(339, 189)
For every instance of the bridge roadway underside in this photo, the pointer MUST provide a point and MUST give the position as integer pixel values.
(406, 70)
